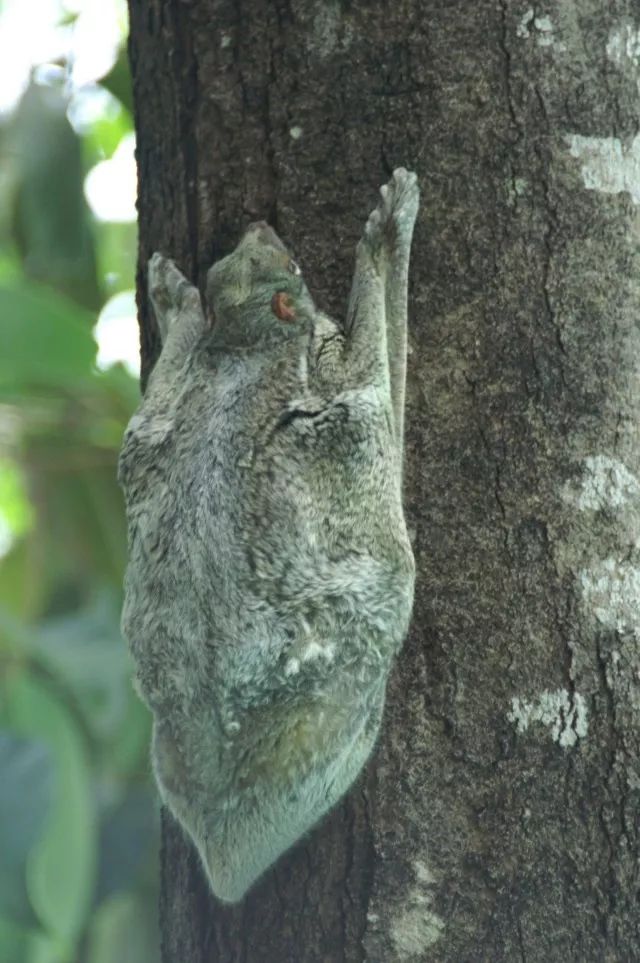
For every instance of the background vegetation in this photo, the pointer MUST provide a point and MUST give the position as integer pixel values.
(77, 818)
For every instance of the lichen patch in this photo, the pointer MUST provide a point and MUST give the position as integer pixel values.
(563, 713)
(606, 483)
(611, 591)
(608, 166)
(414, 931)
(623, 46)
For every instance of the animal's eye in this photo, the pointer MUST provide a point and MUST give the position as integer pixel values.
(293, 268)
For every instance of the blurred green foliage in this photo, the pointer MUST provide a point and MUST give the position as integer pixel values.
(78, 826)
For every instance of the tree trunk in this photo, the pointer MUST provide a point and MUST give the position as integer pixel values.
(499, 820)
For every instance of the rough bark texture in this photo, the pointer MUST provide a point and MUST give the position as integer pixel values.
(499, 820)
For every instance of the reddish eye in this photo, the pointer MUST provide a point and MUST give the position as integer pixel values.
(283, 307)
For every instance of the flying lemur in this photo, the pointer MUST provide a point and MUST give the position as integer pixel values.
(270, 577)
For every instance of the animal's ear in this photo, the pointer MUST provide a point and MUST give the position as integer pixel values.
(283, 306)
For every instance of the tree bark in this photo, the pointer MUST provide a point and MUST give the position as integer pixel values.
(499, 820)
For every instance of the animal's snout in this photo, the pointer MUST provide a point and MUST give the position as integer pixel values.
(265, 234)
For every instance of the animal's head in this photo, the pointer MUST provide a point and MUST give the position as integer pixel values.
(257, 293)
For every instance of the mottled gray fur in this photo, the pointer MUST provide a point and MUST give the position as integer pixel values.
(270, 576)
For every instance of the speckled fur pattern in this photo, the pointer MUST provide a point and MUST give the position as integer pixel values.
(270, 577)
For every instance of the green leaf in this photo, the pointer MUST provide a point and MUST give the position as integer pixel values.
(129, 750)
(24, 582)
(68, 19)
(18, 945)
(43, 948)
(124, 931)
(26, 794)
(86, 652)
(62, 864)
(10, 267)
(117, 252)
(122, 395)
(46, 340)
(102, 135)
(52, 223)
(83, 520)
(128, 834)
(16, 511)
(118, 80)
(14, 942)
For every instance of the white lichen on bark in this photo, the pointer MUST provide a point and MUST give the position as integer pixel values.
(523, 27)
(564, 714)
(623, 46)
(606, 483)
(608, 165)
(416, 926)
(541, 28)
(416, 929)
(611, 591)
(331, 30)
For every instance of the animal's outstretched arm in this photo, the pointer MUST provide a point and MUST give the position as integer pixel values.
(181, 321)
(377, 312)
